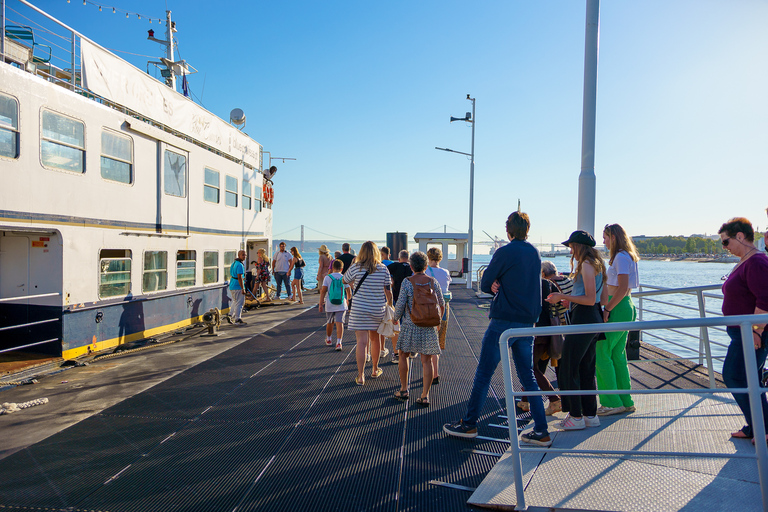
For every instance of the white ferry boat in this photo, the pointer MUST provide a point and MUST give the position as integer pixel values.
(122, 202)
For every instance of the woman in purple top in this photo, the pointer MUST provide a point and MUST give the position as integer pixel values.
(745, 292)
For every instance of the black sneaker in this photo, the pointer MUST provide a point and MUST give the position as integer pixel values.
(240, 322)
(537, 438)
(459, 429)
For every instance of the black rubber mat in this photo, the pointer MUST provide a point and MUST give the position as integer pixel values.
(275, 423)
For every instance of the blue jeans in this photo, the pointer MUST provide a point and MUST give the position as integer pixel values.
(522, 355)
(280, 278)
(734, 375)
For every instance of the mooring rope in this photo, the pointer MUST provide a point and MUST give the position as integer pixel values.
(8, 407)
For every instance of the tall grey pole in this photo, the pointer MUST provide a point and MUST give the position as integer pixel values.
(586, 214)
(471, 192)
(169, 52)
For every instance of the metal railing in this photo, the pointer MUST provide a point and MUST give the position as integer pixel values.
(753, 389)
(652, 295)
(29, 324)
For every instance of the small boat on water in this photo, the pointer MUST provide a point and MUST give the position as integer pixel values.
(123, 201)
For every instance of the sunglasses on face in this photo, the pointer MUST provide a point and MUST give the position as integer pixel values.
(725, 241)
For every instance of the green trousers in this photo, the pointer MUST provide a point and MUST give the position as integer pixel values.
(611, 364)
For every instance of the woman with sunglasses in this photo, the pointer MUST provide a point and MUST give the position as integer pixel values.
(745, 292)
(577, 366)
(611, 365)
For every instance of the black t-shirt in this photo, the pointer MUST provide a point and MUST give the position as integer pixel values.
(346, 259)
(399, 271)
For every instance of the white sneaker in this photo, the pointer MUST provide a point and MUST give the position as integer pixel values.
(367, 357)
(608, 411)
(570, 423)
(592, 421)
(384, 353)
(328, 341)
(338, 346)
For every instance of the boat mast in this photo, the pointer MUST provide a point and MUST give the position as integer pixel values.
(586, 213)
(168, 62)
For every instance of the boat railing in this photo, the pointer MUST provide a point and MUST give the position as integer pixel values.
(63, 66)
(9, 328)
(676, 303)
(753, 390)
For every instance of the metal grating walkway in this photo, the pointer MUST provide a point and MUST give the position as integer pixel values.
(275, 423)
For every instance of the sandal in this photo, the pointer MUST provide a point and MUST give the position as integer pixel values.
(359, 382)
(423, 401)
(740, 434)
(401, 395)
(436, 380)
(376, 374)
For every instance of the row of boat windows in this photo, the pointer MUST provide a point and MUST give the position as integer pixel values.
(62, 147)
(115, 270)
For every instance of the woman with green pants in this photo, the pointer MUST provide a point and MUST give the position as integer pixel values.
(611, 363)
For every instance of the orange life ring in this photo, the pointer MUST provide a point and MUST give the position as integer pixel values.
(268, 194)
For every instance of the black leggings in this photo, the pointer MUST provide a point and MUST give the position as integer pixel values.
(577, 366)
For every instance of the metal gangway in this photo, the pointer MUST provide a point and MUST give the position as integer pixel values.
(754, 391)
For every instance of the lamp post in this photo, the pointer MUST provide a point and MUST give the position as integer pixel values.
(469, 118)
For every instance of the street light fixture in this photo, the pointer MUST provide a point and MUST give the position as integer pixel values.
(469, 118)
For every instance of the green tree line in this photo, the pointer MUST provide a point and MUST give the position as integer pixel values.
(679, 245)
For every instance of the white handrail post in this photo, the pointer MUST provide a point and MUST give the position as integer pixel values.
(514, 446)
(756, 408)
(704, 341)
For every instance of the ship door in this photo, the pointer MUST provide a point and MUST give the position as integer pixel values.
(30, 266)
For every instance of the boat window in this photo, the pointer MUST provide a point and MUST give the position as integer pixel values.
(452, 251)
(210, 267)
(116, 157)
(63, 142)
(229, 258)
(114, 273)
(9, 127)
(185, 269)
(231, 196)
(211, 190)
(175, 174)
(155, 276)
(257, 198)
(246, 195)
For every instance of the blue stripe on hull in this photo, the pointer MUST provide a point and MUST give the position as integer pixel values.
(132, 319)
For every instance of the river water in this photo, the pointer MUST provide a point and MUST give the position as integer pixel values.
(666, 274)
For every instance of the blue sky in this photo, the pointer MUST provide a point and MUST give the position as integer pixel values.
(360, 93)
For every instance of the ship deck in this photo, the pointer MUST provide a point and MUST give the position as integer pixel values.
(267, 417)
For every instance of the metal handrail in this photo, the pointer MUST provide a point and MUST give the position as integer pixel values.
(24, 297)
(753, 389)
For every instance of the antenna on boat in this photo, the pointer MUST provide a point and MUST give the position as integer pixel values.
(237, 117)
(172, 68)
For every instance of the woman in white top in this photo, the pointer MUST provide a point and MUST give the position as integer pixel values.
(370, 281)
(611, 362)
(443, 277)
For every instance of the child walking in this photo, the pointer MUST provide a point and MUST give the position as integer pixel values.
(334, 296)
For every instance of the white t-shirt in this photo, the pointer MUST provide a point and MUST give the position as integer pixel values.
(330, 308)
(282, 260)
(442, 276)
(623, 264)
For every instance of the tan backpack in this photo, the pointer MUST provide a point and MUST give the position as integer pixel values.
(426, 308)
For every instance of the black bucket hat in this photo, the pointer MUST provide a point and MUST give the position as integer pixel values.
(580, 237)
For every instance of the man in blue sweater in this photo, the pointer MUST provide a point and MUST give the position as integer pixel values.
(514, 277)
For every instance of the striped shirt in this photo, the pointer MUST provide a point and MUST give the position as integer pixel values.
(369, 301)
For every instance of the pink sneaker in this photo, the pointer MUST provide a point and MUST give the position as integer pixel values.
(570, 423)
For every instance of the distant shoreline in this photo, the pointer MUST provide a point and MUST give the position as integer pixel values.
(699, 259)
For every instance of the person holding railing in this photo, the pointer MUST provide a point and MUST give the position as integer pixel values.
(745, 292)
(577, 366)
(611, 364)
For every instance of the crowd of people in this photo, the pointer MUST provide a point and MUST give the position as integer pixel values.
(407, 300)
